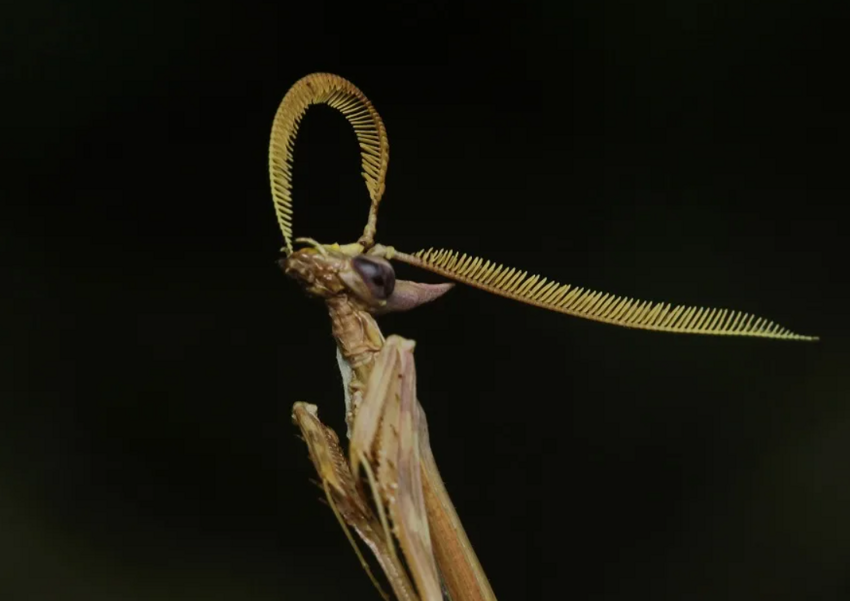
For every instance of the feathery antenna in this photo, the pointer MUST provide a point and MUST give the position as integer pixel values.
(341, 94)
(589, 304)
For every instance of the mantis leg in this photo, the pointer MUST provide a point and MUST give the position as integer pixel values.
(385, 442)
(425, 506)
(348, 503)
(390, 445)
(462, 573)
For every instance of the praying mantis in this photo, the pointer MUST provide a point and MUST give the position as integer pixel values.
(387, 488)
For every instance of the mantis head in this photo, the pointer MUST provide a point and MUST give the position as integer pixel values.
(367, 278)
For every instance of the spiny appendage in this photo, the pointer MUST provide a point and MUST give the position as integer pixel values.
(348, 503)
(589, 304)
(339, 93)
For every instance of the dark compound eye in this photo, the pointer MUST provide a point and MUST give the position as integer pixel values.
(378, 275)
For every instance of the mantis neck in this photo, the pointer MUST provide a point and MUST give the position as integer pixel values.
(358, 339)
(356, 331)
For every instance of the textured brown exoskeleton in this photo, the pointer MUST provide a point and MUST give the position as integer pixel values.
(387, 487)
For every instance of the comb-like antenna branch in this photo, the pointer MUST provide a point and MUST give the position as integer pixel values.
(341, 94)
(589, 304)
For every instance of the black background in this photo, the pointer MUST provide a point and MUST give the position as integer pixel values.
(693, 152)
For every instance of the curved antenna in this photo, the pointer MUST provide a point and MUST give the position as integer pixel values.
(341, 94)
(589, 304)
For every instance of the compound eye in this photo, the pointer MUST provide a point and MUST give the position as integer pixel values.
(378, 275)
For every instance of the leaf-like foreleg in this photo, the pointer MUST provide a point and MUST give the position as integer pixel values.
(385, 445)
(348, 503)
(390, 456)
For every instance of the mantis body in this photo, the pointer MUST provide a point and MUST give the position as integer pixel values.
(387, 487)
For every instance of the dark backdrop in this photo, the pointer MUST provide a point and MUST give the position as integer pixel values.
(693, 152)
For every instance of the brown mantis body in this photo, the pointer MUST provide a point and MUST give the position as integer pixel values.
(387, 487)
(388, 432)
